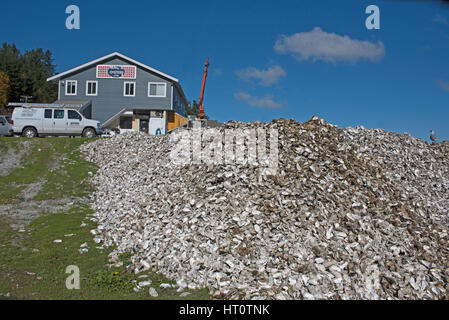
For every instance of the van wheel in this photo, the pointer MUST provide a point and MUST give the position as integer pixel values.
(89, 133)
(29, 133)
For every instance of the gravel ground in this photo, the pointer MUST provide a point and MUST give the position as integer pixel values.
(22, 214)
(12, 158)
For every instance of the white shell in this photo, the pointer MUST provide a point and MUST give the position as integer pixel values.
(351, 214)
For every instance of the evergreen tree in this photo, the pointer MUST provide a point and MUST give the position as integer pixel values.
(28, 73)
(38, 68)
(193, 109)
(4, 92)
(10, 64)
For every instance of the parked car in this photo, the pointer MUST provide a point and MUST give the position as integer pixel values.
(41, 122)
(5, 126)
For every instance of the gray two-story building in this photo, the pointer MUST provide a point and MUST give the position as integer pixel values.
(125, 94)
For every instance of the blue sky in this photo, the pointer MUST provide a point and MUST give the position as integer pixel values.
(269, 59)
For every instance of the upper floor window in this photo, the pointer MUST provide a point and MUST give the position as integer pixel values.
(71, 87)
(130, 89)
(176, 98)
(91, 88)
(157, 89)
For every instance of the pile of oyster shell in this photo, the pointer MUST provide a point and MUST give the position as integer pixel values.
(351, 214)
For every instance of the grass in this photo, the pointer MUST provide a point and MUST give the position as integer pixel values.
(35, 268)
(69, 179)
(32, 265)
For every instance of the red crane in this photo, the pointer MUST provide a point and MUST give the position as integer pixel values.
(201, 114)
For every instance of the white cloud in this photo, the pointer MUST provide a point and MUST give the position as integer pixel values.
(329, 47)
(443, 85)
(265, 102)
(217, 71)
(265, 77)
(440, 19)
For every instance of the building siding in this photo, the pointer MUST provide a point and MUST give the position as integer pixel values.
(110, 99)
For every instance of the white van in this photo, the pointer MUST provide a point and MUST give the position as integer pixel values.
(40, 122)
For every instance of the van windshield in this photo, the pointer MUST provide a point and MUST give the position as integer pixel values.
(73, 115)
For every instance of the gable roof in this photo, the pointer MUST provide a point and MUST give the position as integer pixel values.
(112, 55)
(132, 61)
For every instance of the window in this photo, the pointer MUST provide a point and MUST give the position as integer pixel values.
(59, 114)
(48, 114)
(71, 87)
(156, 114)
(130, 89)
(157, 89)
(73, 115)
(176, 98)
(126, 123)
(91, 88)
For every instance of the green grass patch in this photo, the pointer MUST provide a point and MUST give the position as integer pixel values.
(71, 176)
(32, 265)
(35, 269)
(56, 162)
(7, 143)
(35, 161)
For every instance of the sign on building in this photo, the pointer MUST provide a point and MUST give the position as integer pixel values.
(116, 72)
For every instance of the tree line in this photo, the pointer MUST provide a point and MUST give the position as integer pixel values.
(23, 76)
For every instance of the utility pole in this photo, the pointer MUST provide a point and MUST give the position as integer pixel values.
(26, 99)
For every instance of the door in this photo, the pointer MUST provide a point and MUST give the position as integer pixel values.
(74, 123)
(143, 126)
(60, 122)
(47, 123)
(157, 126)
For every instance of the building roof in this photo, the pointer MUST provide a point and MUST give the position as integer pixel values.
(132, 61)
(57, 104)
(107, 57)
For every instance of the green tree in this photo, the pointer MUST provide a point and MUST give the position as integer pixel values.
(193, 109)
(11, 65)
(28, 73)
(38, 67)
(4, 92)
